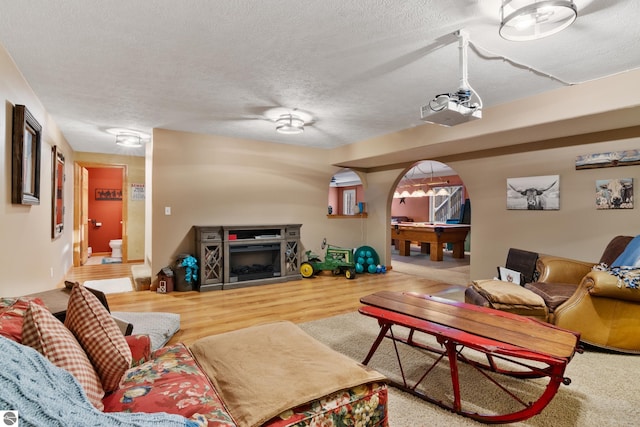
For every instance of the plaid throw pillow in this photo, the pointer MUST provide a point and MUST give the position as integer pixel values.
(99, 335)
(43, 332)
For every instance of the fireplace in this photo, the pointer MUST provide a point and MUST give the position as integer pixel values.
(238, 256)
(254, 261)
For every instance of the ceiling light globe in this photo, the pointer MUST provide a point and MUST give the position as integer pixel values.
(523, 20)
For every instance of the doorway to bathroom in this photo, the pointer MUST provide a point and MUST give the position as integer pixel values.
(100, 213)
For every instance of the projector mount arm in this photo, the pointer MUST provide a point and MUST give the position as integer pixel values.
(465, 92)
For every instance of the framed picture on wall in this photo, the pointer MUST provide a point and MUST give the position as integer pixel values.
(614, 193)
(608, 160)
(108, 194)
(57, 192)
(25, 174)
(538, 193)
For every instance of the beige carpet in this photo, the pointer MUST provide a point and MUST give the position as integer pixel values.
(603, 391)
(450, 270)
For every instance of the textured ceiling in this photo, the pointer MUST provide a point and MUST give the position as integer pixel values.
(361, 68)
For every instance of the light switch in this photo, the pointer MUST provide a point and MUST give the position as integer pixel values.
(167, 210)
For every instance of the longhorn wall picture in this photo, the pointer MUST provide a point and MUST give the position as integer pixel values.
(534, 193)
(614, 193)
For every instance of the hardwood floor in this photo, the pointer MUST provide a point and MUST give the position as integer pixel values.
(213, 312)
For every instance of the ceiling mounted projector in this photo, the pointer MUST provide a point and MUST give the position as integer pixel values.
(450, 109)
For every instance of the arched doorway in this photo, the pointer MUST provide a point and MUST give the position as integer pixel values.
(429, 193)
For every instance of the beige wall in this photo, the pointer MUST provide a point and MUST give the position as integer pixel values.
(577, 230)
(213, 180)
(30, 260)
(135, 225)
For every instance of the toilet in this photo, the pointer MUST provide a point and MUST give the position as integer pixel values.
(116, 248)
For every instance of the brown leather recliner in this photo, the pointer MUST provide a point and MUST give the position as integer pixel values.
(589, 301)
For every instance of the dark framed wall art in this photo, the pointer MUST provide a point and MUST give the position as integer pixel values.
(57, 192)
(25, 161)
(106, 194)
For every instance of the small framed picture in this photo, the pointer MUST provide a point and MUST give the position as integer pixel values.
(614, 193)
(508, 275)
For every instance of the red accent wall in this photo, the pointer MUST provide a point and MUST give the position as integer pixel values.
(104, 207)
(335, 197)
(413, 207)
(418, 207)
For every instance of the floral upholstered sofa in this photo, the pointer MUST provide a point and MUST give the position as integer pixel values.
(86, 371)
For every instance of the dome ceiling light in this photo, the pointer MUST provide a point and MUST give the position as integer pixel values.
(129, 138)
(523, 20)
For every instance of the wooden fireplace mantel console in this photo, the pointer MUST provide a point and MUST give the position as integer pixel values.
(247, 255)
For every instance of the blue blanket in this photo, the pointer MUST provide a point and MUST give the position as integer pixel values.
(45, 395)
(630, 257)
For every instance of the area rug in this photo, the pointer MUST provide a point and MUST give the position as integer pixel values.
(602, 391)
(111, 260)
(158, 325)
(110, 286)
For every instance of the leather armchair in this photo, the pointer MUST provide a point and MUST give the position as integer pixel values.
(590, 301)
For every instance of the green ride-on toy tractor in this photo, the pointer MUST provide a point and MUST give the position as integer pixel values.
(337, 260)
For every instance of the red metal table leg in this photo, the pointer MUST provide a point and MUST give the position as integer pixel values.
(455, 380)
(384, 327)
(531, 365)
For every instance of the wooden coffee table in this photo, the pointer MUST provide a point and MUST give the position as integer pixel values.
(515, 346)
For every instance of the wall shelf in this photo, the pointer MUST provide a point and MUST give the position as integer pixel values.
(360, 215)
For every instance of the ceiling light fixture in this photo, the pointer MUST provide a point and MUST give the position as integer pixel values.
(289, 124)
(407, 184)
(131, 140)
(419, 193)
(442, 192)
(523, 20)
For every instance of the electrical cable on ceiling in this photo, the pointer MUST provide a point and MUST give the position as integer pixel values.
(488, 55)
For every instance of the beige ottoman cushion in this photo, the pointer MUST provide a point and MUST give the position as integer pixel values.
(507, 296)
(263, 370)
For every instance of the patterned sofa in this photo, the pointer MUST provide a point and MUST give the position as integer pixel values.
(121, 375)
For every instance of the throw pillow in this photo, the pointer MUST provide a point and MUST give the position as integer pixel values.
(99, 335)
(12, 311)
(43, 332)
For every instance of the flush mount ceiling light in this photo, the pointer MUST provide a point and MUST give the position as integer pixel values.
(289, 124)
(523, 20)
(128, 137)
(129, 140)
